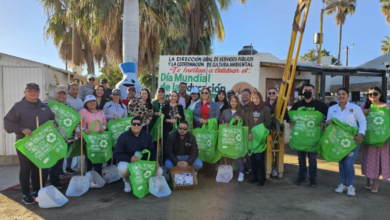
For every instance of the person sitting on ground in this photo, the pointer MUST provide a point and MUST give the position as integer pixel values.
(128, 148)
(181, 149)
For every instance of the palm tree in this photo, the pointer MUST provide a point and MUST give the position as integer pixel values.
(385, 9)
(385, 45)
(343, 8)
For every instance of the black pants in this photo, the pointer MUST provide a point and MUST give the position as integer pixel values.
(28, 170)
(114, 162)
(257, 161)
(54, 173)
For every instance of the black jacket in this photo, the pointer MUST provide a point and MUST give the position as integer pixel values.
(127, 144)
(167, 126)
(23, 116)
(176, 146)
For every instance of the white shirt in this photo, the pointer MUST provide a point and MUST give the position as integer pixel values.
(352, 115)
(192, 104)
(76, 103)
(182, 100)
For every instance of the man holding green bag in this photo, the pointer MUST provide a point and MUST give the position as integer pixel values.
(308, 101)
(128, 148)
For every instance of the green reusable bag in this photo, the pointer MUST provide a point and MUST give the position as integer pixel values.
(207, 142)
(233, 140)
(188, 117)
(306, 132)
(259, 139)
(154, 130)
(378, 121)
(98, 145)
(45, 147)
(117, 127)
(140, 173)
(174, 128)
(74, 149)
(66, 118)
(337, 141)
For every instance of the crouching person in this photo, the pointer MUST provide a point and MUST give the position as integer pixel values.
(129, 146)
(181, 149)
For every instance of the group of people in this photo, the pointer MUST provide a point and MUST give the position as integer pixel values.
(180, 147)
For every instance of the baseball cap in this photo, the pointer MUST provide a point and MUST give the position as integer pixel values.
(116, 92)
(90, 76)
(60, 88)
(247, 90)
(161, 89)
(89, 98)
(231, 92)
(32, 86)
(104, 81)
(194, 90)
(131, 88)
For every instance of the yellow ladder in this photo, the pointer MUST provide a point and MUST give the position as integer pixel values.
(275, 141)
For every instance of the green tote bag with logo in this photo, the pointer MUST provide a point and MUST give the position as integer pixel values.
(378, 126)
(117, 127)
(66, 118)
(98, 145)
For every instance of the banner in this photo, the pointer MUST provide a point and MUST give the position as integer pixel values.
(45, 147)
(66, 118)
(216, 72)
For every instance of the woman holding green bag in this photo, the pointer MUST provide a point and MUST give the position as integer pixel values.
(257, 113)
(173, 114)
(352, 115)
(89, 114)
(158, 103)
(234, 111)
(375, 159)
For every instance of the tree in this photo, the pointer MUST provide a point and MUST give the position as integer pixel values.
(342, 9)
(385, 9)
(385, 45)
(312, 55)
(113, 77)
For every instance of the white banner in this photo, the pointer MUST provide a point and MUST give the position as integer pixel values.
(216, 72)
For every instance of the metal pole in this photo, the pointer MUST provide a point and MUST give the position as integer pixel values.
(346, 78)
(319, 53)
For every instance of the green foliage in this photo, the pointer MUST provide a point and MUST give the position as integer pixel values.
(312, 55)
(113, 77)
(385, 45)
(146, 79)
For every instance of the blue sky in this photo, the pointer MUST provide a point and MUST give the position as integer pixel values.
(265, 24)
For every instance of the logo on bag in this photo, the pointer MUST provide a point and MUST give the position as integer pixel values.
(92, 155)
(326, 142)
(140, 187)
(346, 143)
(51, 138)
(378, 121)
(310, 124)
(208, 143)
(147, 174)
(295, 133)
(46, 160)
(103, 143)
(67, 122)
(238, 137)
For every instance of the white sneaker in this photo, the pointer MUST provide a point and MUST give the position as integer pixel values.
(240, 177)
(127, 186)
(351, 190)
(341, 188)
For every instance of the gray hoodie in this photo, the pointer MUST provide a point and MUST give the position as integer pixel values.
(23, 116)
(85, 90)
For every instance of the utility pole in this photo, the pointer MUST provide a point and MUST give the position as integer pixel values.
(346, 78)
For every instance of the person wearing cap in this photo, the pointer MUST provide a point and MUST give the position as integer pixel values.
(158, 103)
(88, 88)
(115, 109)
(230, 93)
(104, 83)
(60, 95)
(245, 99)
(89, 114)
(194, 98)
(128, 148)
(183, 96)
(130, 95)
(21, 120)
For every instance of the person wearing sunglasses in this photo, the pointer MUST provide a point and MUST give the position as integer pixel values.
(128, 149)
(206, 108)
(21, 120)
(181, 149)
(353, 115)
(88, 88)
(233, 111)
(375, 160)
(308, 101)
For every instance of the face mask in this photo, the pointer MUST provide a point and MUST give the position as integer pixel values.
(307, 94)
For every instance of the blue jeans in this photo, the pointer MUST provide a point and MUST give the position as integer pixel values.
(257, 161)
(346, 168)
(197, 163)
(312, 165)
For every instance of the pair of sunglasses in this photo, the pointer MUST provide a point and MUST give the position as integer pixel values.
(181, 128)
(136, 124)
(91, 79)
(204, 93)
(373, 94)
(271, 93)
